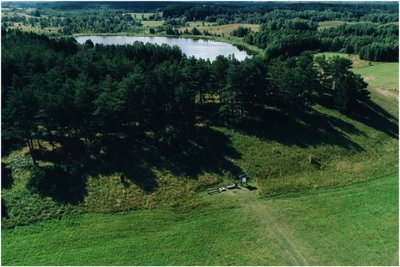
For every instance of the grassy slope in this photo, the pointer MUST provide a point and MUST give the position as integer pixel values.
(355, 225)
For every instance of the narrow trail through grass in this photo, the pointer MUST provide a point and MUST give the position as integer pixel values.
(284, 238)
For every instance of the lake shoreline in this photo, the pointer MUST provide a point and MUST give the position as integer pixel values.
(205, 48)
(235, 41)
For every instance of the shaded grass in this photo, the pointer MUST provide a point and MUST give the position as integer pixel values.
(328, 149)
(330, 152)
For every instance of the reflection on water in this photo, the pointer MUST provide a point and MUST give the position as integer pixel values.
(198, 48)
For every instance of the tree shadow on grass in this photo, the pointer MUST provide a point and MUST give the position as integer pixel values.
(372, 115)
(6, 177)
(61, 184)
(4, 210)
(134, 159)
(204, 150)
(304, 130)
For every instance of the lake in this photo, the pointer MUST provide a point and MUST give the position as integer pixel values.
(199, 48)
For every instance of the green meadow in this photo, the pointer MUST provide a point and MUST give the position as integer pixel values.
(353, 225)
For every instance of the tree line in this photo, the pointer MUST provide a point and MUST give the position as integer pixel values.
(259, 13)
(291, 37)
(57, 90)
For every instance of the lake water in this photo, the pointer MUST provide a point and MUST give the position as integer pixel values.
(199, 48)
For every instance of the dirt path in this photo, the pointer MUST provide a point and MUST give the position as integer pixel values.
(387, 93)
(283, 237)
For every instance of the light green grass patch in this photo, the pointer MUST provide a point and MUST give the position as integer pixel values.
(357, 62)
(329, 23)
(382, 79)
(355, 225)
(152, 23)
(382, 75)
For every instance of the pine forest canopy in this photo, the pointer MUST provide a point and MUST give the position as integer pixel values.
(56, 89)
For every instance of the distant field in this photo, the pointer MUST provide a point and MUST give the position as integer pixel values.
(29, 28)
(382, 79)
(220, 29)
(330, 23)
(383, 82)
(357, 62)
(355, 225)
(152, 23)
(141, 15)
(335, 23)
(381, 75)
(377, 74)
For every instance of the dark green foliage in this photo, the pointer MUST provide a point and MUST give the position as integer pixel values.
(241, 31)
(294, 81)
(195, 31)
(348, 89)
(266, 12)
(58, 183)
(371, 42)
(66, 91)
(6, 177)
(286, 37)
(291, 37)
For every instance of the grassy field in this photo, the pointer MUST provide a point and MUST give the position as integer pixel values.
(329, 23)
(355, 225)
(335, 23)
(147, 22)
(357, 62)
(152, 23)
(381, 75)
(29, 28)
(225, 30)
(382, 79)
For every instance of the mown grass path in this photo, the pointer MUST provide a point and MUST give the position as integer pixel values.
(284, 238)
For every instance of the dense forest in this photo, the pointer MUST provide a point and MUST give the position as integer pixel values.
(265, 12)
(291, 37)
(58, 91)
